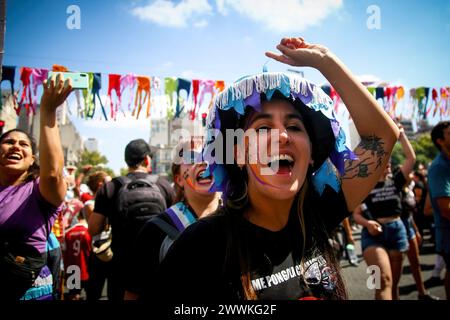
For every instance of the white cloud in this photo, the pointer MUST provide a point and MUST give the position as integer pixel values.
(275, 15)
(166, 13)
(190, 74)
(221, 7)
(286, 15)
(200, 24)
(167, 64)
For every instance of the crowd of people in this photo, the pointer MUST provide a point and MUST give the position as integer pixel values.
(221, 231)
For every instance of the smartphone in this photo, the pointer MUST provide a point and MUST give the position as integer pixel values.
(80, 80)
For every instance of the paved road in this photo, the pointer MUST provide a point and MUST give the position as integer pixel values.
(356, 277)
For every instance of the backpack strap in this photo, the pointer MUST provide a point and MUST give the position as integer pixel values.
(181, 217)
(171, 235)
(152, 178)
(166, 227)
(123, 180)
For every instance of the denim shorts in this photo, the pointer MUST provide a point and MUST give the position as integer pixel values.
(410, 232)
(393, 237)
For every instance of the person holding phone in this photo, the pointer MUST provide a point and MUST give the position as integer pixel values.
(31, 197)
(80, 80)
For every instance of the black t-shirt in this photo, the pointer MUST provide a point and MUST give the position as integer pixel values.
(198, 266)
(419, 185)
(106, 204)
(385, 200)
(142, 268)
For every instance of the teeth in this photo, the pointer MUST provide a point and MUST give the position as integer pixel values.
(281, 157)
(200, 175)
(15, 156)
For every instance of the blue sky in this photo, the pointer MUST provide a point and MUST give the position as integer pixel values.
(223, 39)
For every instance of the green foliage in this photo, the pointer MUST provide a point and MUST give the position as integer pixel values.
(92, 158)
(422, 145)
(123, 171)
(397, 156)
(96, 160)
(425, 149)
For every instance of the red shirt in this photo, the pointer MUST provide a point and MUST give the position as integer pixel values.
(78, 248)
(86, 197)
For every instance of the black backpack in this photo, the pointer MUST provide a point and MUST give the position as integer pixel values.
(137, 201)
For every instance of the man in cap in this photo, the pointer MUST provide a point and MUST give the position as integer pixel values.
(128, 202)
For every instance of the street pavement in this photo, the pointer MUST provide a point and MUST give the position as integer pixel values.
(356, 277)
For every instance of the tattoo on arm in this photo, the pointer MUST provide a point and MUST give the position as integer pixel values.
(372, 148)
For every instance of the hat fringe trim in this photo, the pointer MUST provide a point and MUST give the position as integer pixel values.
(262, 83)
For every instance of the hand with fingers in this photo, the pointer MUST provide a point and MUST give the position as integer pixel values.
(401, 129)
(297, 52)
(374, 227)
(56, 91)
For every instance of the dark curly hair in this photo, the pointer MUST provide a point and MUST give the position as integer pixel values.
(33, 170)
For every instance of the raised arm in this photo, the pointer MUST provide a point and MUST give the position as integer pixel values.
(378, 132)
(52, 183)
(410, 156)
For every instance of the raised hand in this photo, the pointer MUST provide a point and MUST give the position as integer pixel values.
(56, 91)
(297, 52)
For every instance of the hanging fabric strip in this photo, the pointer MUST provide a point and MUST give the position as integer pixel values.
(170, 86)
(80, 111)
(326, 89)
(38, 76)
(420, 95)
(434, 98)
(114, 84)
(182, 85)
(156, 93)
(426, 107)
(207, 86)
(59, 68)
(89, 106)
(96, 86)
(26, 100)
(398, 94)
(220, 85)
(336, 99)
(379, 94)
(388, 100)
(128, 80)
(195, 91)
(371, 90)
(444, 103)
(143, 87)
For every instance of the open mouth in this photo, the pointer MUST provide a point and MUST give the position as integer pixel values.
(282, 163)
(14, 157)
(203, 179)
